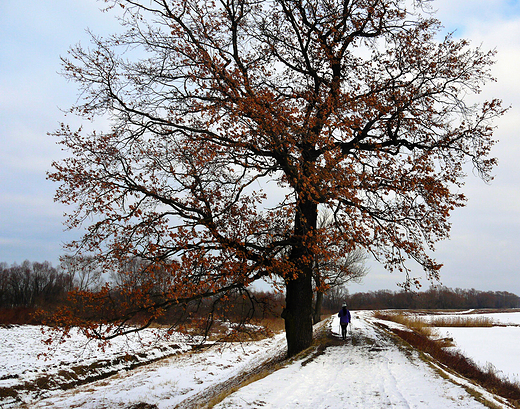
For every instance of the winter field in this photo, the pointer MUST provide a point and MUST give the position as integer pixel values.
(498, 345)
(368, 370)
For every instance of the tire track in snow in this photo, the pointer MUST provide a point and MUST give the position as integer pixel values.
(367, 371)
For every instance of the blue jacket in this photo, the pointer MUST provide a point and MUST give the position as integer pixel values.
(344, 316)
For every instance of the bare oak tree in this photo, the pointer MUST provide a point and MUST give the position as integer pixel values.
(352, 105)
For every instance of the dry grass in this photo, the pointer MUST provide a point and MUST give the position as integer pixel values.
(462, 321)
(414, 323)
(209, 398)
(417, 324)
(273, 324)
(255, 330)
(247, 381)
(485, 377)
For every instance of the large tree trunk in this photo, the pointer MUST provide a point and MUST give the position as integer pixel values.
(298, 313)
(298, 301)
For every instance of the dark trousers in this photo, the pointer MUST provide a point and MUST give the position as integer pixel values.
(344, 330)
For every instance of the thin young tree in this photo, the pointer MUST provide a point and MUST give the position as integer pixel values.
(351, 105)
(330, 274)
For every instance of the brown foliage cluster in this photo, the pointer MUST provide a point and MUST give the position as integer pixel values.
(238, 315)
(351, 107)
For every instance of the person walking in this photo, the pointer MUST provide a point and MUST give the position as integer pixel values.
(344, 319)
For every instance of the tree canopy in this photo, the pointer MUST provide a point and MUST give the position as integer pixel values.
(233, 122)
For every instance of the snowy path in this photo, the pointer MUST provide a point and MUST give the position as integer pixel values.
(369, 370)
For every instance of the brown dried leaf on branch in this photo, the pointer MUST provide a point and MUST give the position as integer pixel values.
(352, 107)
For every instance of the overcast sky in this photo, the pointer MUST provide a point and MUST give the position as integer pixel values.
(484, 248)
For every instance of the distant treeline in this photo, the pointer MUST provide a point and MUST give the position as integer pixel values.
(434, 298)
(32, 285)
(28, 286)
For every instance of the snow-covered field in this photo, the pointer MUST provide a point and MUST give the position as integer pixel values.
(498, 346)
(367, 371)
(22, 350)
(30, 370)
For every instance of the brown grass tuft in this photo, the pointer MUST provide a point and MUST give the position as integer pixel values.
(273, 324)
(463, 321)
(414, 323)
